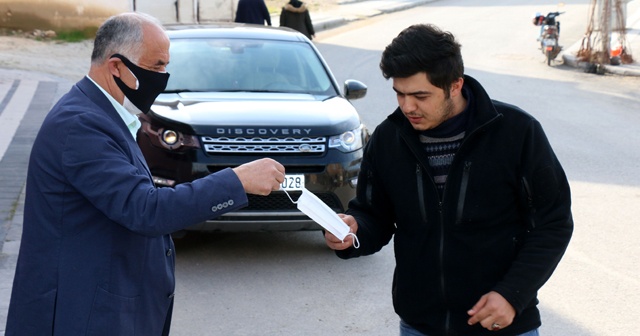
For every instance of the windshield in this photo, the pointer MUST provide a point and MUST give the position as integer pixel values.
(205, 65)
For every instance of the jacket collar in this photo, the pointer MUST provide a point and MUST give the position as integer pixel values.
(93, 93)
(483, 112)
(291, 8)
(91, 90)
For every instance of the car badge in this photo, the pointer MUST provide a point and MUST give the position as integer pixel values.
(305, 148)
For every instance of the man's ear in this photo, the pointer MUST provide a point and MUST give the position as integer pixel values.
(113, 65)
(456, 87)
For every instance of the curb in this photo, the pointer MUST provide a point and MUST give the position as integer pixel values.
(329, 21)
(570, 59)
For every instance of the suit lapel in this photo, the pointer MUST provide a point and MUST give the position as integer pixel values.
(95, 95)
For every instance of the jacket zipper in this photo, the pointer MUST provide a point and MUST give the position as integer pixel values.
(447, 322)
(463, 190)
(423, 212)
(421, 199)
(441, 266)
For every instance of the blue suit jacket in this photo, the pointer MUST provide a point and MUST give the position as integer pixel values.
(96, 257)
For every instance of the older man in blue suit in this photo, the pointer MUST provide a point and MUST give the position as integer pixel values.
(96, 256)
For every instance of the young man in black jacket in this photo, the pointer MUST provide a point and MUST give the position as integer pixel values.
(471, 192)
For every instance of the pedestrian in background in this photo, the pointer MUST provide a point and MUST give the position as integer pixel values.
(96, 256)
(253, 11)
(470, 190)
(295, 15)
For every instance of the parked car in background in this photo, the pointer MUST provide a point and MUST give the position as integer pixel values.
(240, 92)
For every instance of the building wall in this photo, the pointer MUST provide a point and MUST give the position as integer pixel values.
(165, 10)
(58, 14)
(189, 11)
(217, 10)
(80, 14)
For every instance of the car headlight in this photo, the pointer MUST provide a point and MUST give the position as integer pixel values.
(348, 141)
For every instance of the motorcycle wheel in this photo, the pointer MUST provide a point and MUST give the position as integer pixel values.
(549, 54)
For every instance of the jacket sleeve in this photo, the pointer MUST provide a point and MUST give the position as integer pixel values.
(371, 208)
(283, 18)
(265, 12)
(548, 218)
(307, 21)
(98, 165)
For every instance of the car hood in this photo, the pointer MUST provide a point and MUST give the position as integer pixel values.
(204, 110)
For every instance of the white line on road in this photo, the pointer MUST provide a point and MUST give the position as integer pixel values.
(14, 112)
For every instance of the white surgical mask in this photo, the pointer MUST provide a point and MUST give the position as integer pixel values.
(313, 207)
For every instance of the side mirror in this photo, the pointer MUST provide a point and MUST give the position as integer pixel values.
(354, 89)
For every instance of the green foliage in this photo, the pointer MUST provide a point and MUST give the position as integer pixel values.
(77, 35)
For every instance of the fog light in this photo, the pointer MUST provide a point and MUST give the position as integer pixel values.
(170, 137)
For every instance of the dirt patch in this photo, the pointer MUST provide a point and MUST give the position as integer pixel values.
(71, 60)
(21, 15)
(67, 60)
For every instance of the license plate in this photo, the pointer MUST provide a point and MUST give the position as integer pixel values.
(549, 42)
(293, 182)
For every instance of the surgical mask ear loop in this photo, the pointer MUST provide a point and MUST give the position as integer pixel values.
(356, 242)
(291, 199)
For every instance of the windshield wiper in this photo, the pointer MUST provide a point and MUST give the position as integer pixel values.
(179, 91)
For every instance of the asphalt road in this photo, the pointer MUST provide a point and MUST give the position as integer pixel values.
(291, 284)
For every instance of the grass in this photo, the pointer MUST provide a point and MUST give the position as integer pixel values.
(77, 35)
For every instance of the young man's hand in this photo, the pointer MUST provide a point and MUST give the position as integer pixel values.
(492, 311)
(336, 244)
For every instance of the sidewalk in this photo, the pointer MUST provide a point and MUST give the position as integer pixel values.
(353, 10)
(25, 99)
(633, 41)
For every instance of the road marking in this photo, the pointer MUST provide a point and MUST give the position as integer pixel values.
(7, 89)
(14, 111)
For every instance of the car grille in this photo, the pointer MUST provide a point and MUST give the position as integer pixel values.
(278, 201)
(243, 145)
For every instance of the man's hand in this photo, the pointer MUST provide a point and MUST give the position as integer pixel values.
(336, 244)
(492, 311)
(260, 177)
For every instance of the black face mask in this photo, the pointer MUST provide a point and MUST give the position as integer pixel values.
(150, 85)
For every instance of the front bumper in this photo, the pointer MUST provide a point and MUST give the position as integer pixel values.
(332, 177)
(282, 215)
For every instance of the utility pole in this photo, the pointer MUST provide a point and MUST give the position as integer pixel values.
(605, 34)
(597, 48)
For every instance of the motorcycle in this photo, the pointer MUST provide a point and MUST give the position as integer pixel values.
(549, 34)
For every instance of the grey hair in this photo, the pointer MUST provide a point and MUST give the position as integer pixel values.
(121, 34)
